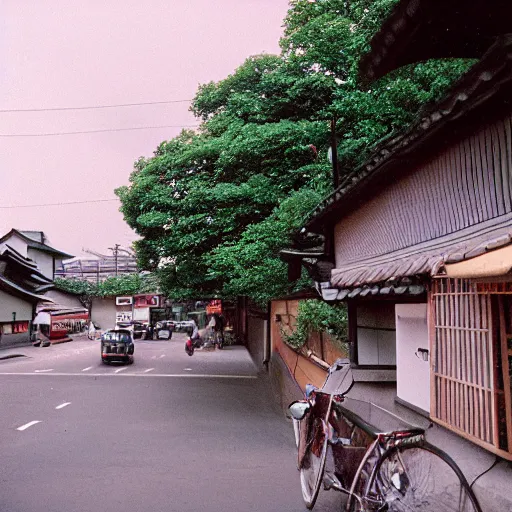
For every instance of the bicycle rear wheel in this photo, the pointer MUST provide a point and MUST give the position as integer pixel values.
(312, 465)
(416, 477)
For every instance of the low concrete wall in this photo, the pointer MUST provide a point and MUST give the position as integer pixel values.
(493, 489)
(256, 339)
(284, 387)
(15, 340)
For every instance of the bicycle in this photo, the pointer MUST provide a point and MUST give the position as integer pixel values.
(392, 468)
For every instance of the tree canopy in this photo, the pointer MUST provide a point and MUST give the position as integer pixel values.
(129, 284)
(214, 207)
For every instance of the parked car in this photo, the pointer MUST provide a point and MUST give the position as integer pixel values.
(164, 329)
(185, 326)
(138, 329)
(117, 345)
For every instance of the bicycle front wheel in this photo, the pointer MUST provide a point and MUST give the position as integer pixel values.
(312, 465)
(416, 477)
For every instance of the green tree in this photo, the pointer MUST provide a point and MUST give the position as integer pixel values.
(214, 207)
(318, 316)
(129, 284)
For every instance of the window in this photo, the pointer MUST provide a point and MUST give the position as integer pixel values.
(376, 333)
(124, 301)
(471, 346)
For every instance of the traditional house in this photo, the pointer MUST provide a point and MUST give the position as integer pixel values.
(33, 245)
(27, 270)
(21, 288)
(419, 243)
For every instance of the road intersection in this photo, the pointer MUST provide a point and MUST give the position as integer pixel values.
(171, 433)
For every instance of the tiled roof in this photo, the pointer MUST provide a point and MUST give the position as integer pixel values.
(423, 259)
(487, 84)
(34, 244)
(11, 286)
(418, 30)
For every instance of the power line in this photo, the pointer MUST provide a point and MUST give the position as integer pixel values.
(51, 134)
(58, 204)
(93, 107)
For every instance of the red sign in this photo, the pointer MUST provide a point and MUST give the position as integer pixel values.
(146, 301)
(71, 323)
(215, 306)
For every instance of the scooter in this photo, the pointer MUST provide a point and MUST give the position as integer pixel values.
(198, 342)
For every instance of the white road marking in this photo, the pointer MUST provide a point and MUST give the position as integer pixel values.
(170, 375)
(29, 424)
(61, 406)
(43, 371)
(120, 369)
(87, 369)
(148, 370)
(187, 369)
(163, 355)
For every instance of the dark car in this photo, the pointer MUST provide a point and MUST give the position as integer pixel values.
(117, 345)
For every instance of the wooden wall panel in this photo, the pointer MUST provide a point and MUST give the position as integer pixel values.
(467, 184)
(465, 353)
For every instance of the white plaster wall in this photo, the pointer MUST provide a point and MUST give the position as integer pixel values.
(141, 314)
(17, 244)
(376, 337)
(413, 374)
(103, 312)
(44, 262)
(10, 304)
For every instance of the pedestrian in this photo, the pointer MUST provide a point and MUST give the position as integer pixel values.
(218, 326)
(91, 333)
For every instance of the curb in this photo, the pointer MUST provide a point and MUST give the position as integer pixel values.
(61, 340)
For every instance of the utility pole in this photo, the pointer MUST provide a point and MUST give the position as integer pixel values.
(334, 149)
(115, 251)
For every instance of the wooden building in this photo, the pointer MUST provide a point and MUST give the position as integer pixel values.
(419, 241)
(27, 270)
(21, 288)
(34, 246)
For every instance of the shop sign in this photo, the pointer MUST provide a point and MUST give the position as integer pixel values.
(214, 306)
(141, 314)
(145, 301)
(63, 325)
(124, 301)
(124, 316)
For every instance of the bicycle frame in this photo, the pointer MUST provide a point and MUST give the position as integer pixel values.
(382, 441)
(380, 445)
(374, 467)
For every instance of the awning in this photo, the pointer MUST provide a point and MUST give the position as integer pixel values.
(435, 257)
(42, 318)
(492, 264)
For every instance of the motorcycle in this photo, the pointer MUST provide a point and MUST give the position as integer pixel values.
(198, 342)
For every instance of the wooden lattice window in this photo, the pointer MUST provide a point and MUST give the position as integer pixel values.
(470, 387)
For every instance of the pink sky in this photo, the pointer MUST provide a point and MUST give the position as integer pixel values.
(60, 53)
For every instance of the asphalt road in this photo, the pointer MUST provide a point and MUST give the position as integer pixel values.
(168, 433)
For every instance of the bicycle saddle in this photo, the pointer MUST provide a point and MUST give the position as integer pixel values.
(339, 379)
